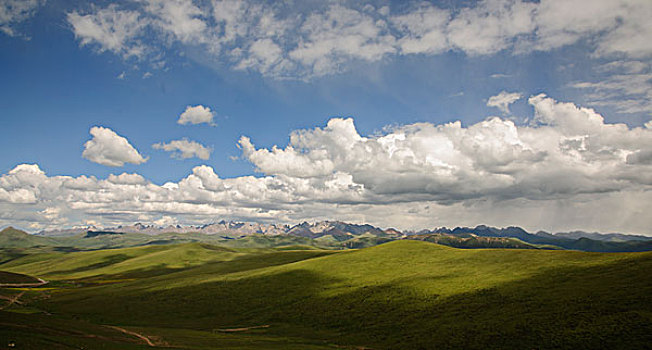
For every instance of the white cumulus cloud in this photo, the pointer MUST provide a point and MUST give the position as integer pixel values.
(568, 169)
(184, 149)
(196, 115)
(110, 149)
(569, 150)
(503, 100)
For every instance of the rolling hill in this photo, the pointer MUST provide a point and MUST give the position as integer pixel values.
(404, 294)
(576, 241)
(10, 277)
(321, 235)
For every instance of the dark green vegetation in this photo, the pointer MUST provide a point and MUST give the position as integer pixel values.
(400, 295)
(9, 277)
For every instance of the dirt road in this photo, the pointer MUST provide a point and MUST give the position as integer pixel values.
(243, 329)
(40, 282)
(12, 300)
(138, 335)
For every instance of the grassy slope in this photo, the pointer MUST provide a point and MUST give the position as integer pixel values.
(475, 242)
(40, 332)
(404, 294)
(13, 238)
(10, 277)
(80, 271)
(17, 241)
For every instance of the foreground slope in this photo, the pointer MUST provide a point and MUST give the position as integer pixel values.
(403, 294)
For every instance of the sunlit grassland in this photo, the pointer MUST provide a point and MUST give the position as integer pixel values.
(399, 295)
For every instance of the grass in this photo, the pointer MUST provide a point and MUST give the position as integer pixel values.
(398, 295)
(10, 277)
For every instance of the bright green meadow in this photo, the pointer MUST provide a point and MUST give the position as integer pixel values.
(399, 295)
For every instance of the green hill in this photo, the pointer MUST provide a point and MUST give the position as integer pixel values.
(13, 238)
(10, 277)
(398, 295)
(328, 235)
(93, 240)
(473, 241)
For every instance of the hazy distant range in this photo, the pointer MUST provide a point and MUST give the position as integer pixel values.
(337, 234)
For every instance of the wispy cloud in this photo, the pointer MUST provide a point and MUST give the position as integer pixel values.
(625, 86)
(503, 100)
(284, 42)
(111, 29)
(15, 12)
(184, 149)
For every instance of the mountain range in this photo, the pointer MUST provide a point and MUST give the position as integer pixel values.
(324, 234)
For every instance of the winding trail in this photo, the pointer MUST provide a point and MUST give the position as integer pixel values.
(243, 329)
(138, 335)
(12, 301)
(40, 282)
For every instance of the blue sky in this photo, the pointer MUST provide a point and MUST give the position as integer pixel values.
(267, 70)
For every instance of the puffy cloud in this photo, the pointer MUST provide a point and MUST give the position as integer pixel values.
(503, 100)
(21, 185)
(111, 29)
(196, 115)
(13, 12)
(301, 42)
(568, 150)
(184, 149)
(127, 179)
(110, 149)
(567, 169)
(287, 161)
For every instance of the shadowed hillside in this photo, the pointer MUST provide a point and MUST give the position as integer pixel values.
(403, 294)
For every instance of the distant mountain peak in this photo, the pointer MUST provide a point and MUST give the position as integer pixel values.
(10, 230)
(336, 230)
